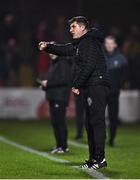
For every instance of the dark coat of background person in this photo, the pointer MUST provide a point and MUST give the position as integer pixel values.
(118, 70)
(59, 80)
(57, 94)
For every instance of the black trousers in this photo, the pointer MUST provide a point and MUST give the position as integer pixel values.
(80, 115)
(113, 109)
(58, 119)
(96, 101)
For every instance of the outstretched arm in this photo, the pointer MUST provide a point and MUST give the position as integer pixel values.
(57, 49)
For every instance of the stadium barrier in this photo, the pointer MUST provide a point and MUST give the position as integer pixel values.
(29, 103)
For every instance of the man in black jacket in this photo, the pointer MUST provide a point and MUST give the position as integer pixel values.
(117, 67)
(57, 89)
(90, 75)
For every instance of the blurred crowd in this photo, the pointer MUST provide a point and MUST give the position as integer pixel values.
(21, 65)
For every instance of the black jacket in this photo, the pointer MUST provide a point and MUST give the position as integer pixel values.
(59, 79)
(118, 69)
(89, 63)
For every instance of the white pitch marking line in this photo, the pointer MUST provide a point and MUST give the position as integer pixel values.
(73, 143)
(33, 151)
(92, 173)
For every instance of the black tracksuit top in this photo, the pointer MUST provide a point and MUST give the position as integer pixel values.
(89, 67)
(59, 80)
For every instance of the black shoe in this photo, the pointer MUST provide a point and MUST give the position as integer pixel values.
(88, 164)
(98, 165)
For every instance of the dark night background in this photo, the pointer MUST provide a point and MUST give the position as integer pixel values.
(33, 21)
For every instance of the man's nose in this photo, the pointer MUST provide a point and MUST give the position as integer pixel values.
(71, 30)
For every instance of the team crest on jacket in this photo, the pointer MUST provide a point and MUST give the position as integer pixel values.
(89, 101)
(77, 51)
(116, 63)
(56, 105)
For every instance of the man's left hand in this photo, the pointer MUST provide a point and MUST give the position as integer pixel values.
(43, 83)
(75, 91)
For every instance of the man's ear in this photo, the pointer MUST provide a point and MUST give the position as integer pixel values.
(83, 27)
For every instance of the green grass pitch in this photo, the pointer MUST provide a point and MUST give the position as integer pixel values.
(123, 160)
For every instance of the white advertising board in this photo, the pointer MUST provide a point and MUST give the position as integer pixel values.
(20, 103)
(23, 103)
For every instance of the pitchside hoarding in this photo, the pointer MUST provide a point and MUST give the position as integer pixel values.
(27, 103)
(24, 104)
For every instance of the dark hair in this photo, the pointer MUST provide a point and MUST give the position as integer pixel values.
(80, 20)
(111, 37)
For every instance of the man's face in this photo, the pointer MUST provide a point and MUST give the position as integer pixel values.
(77, 30)
(110, 45)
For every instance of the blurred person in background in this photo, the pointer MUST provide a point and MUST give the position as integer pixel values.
(42, 64)
(12, 60)
(60, 32)
(57, 89)
(3, 70)
(90, 74)
(117, 67)
(9, 28)
(117, 32)
(9, 62)
(131, 49)
(42, 31)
